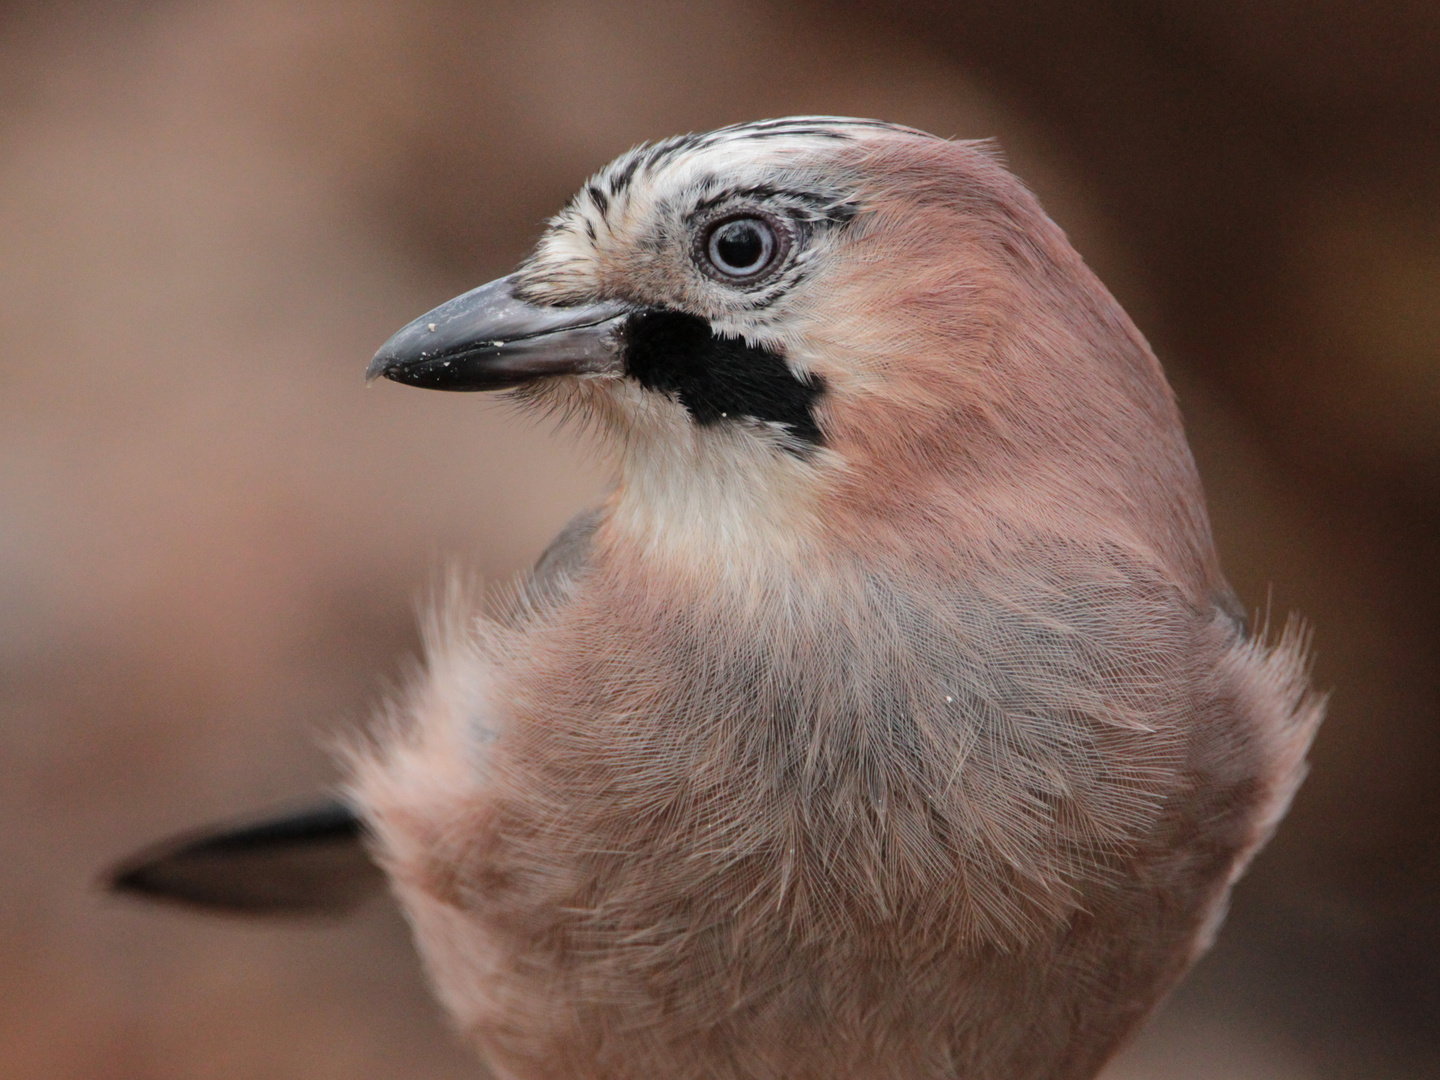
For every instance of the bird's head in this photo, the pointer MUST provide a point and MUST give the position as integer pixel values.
(789, 325)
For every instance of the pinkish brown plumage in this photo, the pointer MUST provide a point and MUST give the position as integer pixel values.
(891, 717)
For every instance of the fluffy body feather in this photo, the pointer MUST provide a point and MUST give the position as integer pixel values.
(931, 749)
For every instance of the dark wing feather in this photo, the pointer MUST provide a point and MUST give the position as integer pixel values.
(568, 554)
(301, 862)
(312, 860)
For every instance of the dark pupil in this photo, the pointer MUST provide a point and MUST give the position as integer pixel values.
(740, 246)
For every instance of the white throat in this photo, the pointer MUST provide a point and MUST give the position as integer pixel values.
(724, 496)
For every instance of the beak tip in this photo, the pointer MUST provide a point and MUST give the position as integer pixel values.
(388, 361)
(378, 368)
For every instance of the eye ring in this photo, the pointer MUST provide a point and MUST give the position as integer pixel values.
(742, 248)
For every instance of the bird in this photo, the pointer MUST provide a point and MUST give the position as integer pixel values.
(889, 717)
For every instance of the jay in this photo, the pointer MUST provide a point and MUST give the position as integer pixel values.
(889, 718)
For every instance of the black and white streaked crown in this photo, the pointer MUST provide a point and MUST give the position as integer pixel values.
(615, 179)
(648, 196)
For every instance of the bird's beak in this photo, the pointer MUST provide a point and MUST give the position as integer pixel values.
(490, 339)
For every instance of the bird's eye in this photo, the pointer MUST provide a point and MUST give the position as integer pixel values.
(741, 248)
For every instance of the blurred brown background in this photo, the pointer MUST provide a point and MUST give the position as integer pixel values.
(212, 536)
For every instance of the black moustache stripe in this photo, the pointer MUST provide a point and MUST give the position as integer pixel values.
(718, 377)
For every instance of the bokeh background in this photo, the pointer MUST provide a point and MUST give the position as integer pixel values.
(212, 536)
